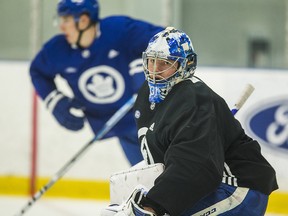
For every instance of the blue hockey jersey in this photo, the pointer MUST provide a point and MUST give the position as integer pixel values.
(103, 76)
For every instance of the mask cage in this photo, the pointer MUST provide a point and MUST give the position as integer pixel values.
(166, 63)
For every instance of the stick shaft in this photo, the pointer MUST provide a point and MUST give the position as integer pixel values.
(243, 98)
(105, 129)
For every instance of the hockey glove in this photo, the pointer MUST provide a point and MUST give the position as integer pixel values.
(132, 207)
(138, 201)
(67, 111)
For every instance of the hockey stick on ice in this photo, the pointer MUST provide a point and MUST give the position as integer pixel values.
(105, 129)
(243, 98)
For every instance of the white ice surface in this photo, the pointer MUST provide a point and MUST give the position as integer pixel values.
(9, 206)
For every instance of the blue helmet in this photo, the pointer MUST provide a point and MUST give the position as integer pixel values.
(76, 8)
(170, 45)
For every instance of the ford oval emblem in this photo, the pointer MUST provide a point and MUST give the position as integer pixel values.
(268, 123)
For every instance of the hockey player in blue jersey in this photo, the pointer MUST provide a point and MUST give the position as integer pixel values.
(101, 61)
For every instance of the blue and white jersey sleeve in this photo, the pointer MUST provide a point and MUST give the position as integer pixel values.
(41, 76)
(43, 68)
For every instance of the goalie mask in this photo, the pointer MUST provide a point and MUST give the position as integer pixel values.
(168, 60)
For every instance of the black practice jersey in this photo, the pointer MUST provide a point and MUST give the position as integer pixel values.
(195, 135)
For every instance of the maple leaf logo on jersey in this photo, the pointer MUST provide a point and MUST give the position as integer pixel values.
(101, 86)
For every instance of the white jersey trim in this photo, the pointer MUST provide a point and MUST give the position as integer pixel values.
(142, 131)
(227, 204)
(194, 80)
(49, 97)
(228, 177)
(52, 99)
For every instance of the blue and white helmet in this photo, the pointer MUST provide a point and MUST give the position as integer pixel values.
(76, 8)
(174, 47)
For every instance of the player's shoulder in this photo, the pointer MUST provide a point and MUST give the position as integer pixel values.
(56, 41)
(204, 95)
(191, 93)
(120, 19)
(115, 22)
(126, 27)
(191, 87)
(197, 87)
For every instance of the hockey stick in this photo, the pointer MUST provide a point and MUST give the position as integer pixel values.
(243, 98)
(105, 129)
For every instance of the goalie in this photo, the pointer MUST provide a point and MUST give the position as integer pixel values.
(211, 166)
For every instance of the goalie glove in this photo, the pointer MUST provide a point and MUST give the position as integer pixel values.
(67, 111)
(132, 207)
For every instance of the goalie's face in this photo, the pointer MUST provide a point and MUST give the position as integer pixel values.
(161, 69)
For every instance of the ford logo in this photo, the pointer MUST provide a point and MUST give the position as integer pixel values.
(268, 123)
